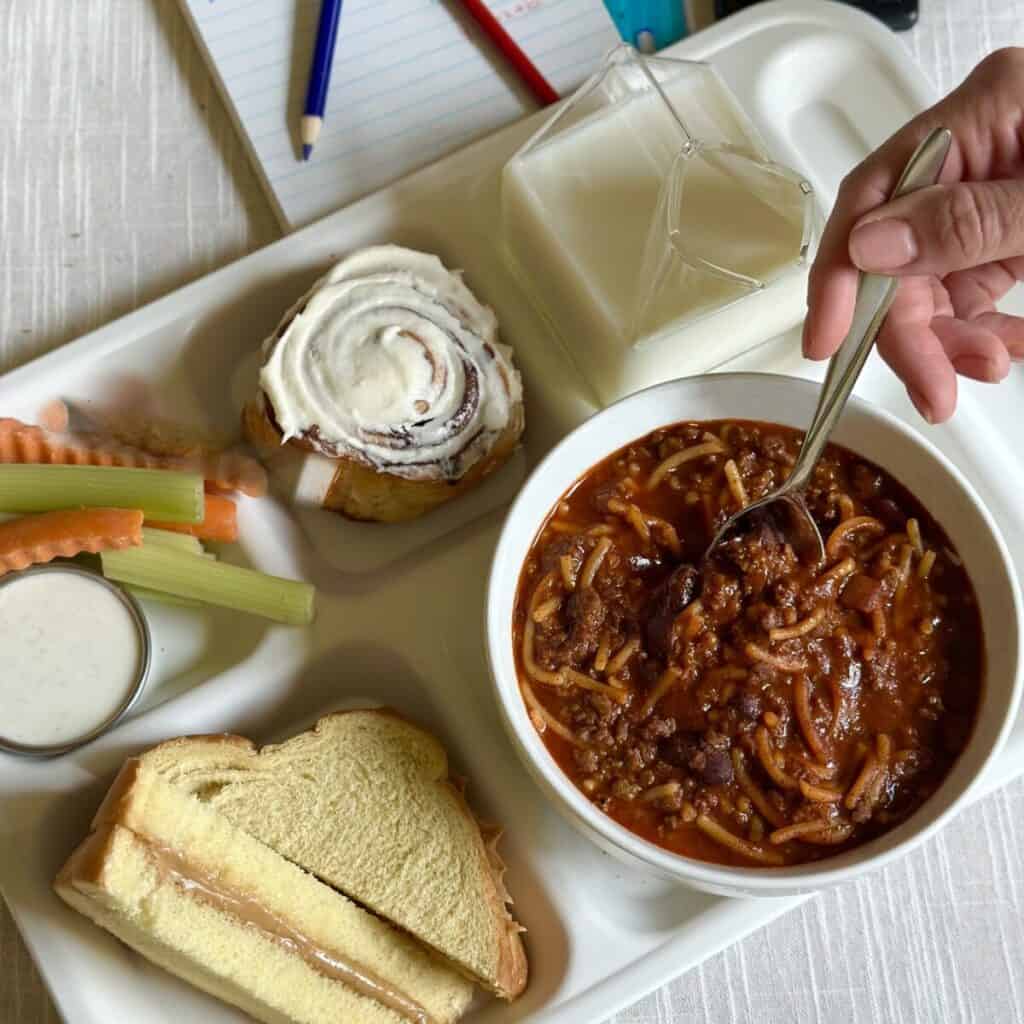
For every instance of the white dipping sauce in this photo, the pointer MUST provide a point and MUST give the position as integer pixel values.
(70, 655)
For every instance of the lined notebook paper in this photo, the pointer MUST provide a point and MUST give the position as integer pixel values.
(412, 80)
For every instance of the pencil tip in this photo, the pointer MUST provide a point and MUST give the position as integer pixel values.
(307, 150)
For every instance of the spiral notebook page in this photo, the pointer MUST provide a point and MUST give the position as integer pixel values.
(412, 80)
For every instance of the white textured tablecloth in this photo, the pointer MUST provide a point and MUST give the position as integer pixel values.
(121, 178)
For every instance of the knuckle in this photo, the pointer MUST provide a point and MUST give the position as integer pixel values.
(852, 185)
(967, 224)
(1006, 63)
(891, 347)
(849, 183)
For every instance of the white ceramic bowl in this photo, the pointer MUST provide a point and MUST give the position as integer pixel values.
(866, 430)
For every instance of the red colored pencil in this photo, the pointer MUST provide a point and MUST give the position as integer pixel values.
(521, 64)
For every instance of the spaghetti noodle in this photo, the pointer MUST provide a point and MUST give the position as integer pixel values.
(620, 658)
(801, 628)
(733, 842)
(673, 462)
(802, 707)
(736, 488)
(593, 562)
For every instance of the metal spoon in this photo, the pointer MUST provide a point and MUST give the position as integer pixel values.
(874, 297)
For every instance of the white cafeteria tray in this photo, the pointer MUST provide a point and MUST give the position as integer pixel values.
(823, 84)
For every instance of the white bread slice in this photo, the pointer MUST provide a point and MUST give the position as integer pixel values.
(113, 879)
(204, 843)
(363, 802)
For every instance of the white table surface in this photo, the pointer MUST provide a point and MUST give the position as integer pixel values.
(121, 178)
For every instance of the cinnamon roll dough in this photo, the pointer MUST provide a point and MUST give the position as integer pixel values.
(385, 391)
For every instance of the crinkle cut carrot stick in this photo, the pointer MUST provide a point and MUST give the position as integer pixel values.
(40, 538)
(226, 471)
(229, 471)
(24, 443)
(220, 521)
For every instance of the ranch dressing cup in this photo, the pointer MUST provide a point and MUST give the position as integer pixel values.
(75, 652)
(648, 223)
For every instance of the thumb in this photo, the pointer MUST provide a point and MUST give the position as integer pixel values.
(943, 228)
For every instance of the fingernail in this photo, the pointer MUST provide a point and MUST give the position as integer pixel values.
(806, 337)
(881, 245)
(921, 405)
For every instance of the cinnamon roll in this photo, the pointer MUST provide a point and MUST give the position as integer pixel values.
(385, 391)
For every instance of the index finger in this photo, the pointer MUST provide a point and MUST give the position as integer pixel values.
(832, 284)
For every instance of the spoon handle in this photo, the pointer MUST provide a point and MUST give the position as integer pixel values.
(874, 297)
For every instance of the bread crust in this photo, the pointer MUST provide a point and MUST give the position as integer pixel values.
(95, 883)
(512, 966)
(85, 865)
(363, 493)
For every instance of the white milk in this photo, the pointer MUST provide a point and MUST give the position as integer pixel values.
(578, 210)
(70, 656)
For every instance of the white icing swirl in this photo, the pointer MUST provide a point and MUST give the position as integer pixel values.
(392, 360)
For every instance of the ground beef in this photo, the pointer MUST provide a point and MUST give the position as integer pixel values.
(586, 612)
(760, 555)
(551, 557)
(721, 597)
(658, 728)
(773, 446)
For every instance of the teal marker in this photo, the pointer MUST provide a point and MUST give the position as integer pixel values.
(650, 25)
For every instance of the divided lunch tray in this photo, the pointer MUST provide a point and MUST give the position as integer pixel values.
(824, 84)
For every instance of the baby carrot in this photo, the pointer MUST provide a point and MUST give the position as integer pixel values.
(220, 521)
(29, 540)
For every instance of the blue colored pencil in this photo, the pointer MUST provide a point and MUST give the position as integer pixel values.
(320, 74)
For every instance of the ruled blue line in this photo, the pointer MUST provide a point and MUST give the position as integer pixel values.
(352, 102)
(590, 59)
(286, 17)
(344, 83)
(540, 30)
(351, 11)
(205, 17)
(579, 39)
(386, 138)
(285, 151)
(275, 40)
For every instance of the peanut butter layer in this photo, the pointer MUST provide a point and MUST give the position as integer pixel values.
(332, 964)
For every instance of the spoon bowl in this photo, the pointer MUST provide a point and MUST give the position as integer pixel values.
(787, 514)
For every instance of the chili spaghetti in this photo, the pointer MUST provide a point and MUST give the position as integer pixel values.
(759, 711)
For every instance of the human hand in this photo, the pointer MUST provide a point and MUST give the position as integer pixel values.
(957, 246)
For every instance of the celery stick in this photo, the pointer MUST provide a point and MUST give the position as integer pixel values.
(212, 582)
(145, 594)
(183, 542)
(160, 493)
